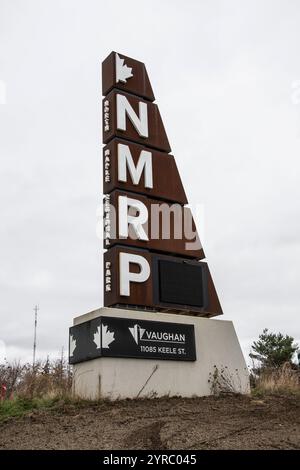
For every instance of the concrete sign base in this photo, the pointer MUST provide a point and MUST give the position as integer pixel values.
(219, 364)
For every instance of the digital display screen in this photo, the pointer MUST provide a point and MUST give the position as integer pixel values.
(181, 283)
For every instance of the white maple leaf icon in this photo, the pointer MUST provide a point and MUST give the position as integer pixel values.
(107, 337)
(123, 72)
(97, 338)
(72, 345)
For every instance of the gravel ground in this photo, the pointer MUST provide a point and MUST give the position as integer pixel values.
(229, 422)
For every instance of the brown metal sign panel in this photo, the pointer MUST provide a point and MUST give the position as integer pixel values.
(129, 117)
(138, 278)
(136, 168)
(124, 73)
(141, 293)
(153, 248)
(136, 220)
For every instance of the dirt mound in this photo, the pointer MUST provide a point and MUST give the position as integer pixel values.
(231, 422)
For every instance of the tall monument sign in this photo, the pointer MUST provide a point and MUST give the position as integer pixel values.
(153, 249)
(159, 295)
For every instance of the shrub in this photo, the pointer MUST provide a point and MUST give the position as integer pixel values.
(45, 379)
(223, 382)
(283, 379)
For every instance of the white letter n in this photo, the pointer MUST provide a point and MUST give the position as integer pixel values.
(140, 122)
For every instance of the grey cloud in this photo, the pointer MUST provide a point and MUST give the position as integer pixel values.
(229, 65)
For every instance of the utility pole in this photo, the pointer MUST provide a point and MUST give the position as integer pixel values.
(36, 308)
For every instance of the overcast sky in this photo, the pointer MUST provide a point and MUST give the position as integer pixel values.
(226, 76)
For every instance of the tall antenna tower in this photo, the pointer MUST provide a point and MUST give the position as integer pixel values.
(36, 308)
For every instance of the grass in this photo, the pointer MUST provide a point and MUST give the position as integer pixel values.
(20, 406)
(283, 380)
(262, 391)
